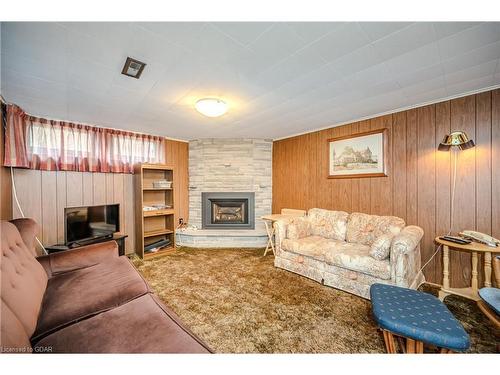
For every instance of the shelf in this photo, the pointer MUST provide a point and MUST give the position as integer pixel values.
(156, 189)
(157, 167)
(168, 211)
(163, 251)
(157, 232)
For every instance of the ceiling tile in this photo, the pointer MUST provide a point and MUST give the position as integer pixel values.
(469, 39)
(378, 30)
(359, 60)
(478, 71)
(475, 57)
(415, 60)
(312, 31)
(340, 42)
(444, 29)
(297, 65)
(408, 39)
(243, 32)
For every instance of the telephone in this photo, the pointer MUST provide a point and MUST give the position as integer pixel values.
(480, 237)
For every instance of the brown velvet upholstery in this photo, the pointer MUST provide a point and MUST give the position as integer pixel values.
(74, 295)
(82, 300)
(143, 325)
(28, 229)
(23, 278)
(81, 257)
(13, 337)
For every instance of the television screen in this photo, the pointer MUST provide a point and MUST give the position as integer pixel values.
(89, 223)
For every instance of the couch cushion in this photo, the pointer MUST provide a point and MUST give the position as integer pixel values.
(364, 228)
(356, 257)
(23, 280)
(142, 325)
(312, 246)
(381, 247)
(77, 294)
(328, 224)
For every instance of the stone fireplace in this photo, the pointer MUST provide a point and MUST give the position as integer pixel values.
(231, 170)
(228, 210)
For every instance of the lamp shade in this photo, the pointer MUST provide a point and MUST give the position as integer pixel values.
(456, 139)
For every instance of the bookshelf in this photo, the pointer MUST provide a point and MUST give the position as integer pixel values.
(154, 225)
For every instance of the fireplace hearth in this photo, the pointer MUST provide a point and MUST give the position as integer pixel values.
(228, 210)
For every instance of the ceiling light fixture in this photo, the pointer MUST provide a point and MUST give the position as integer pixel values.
(211, 107)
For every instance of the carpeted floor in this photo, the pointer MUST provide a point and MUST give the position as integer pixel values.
(238, 302)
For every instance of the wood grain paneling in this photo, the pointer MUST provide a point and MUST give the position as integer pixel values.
(177, 154)
(418, 187)
(495, 163)
(5, 182)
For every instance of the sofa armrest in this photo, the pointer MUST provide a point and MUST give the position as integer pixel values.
(28, 229)
(280, 228)
(405, 256)
(80, 257)
(407, 240)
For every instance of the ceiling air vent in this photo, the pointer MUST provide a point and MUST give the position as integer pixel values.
(133, 68)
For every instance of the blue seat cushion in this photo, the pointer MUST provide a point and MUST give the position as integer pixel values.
(417, 315)
(492, 298)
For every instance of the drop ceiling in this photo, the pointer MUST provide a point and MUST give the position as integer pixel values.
(279, 79)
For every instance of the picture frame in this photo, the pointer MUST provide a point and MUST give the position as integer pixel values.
(358, 155)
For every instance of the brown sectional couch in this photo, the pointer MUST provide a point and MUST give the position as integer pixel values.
(87, 300)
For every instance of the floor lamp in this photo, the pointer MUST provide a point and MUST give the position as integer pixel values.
(455, 141)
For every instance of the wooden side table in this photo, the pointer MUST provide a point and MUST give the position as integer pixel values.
(269, 222)
(474, 248)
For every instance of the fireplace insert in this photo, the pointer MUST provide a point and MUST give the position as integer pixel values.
(228, 210)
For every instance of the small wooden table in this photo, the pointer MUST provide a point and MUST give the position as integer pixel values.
(474, 248)
(269, 221)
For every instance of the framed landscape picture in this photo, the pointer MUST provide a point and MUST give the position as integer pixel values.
(358, 155)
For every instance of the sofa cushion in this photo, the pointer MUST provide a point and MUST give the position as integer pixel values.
(23, 280)
(298, 227)
(364, 228)
(328, 224)
(84, 292)
(143, 325)
(381, 247)
(312, 246)
(356, 257)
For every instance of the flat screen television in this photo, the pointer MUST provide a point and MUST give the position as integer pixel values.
(84, 225)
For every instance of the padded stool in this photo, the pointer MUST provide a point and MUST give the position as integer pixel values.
(417, 317)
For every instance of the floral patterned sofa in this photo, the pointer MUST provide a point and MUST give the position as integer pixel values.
(350, 251)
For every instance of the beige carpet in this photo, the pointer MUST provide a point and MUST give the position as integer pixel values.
(238, 302)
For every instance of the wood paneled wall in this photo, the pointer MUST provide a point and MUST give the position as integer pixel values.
(418, 187)
(177, 154)
(5, 183)
(44, 194)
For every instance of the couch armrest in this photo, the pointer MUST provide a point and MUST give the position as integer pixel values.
(405, 256)
(280, 227)
(407, 240)
(80, 257)
(28, 229)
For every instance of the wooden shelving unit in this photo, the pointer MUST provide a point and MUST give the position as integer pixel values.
(154, 225)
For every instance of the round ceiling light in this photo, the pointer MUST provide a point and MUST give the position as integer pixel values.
(211, 107)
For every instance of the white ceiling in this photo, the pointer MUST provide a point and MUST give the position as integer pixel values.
(278, 78)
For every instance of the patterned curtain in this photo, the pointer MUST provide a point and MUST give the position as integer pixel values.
(37, 143)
